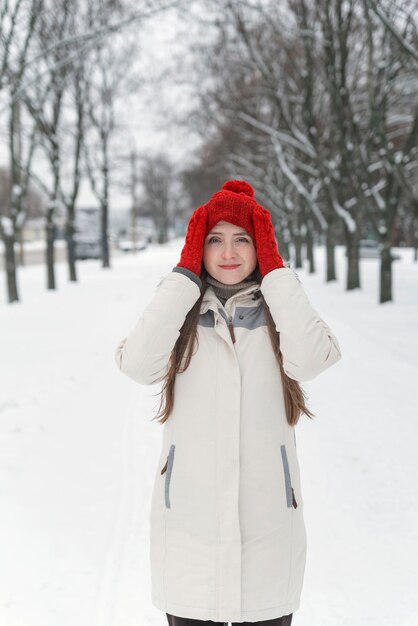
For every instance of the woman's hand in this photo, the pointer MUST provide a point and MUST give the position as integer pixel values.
(268, 254)
(192, 252)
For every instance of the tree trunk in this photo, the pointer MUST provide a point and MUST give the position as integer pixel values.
(310, 247)
(50, 237)
(69, 235)
(162, 232)
(386, 273)
(21, 256)
(15, 200)
(50, 216)
(353, 266)
(105, 208)
(104, 235)
(10, 259)
(297, 240)
(283, 238)
(134, 205)
(330, 253)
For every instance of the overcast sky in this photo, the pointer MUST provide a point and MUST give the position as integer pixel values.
(145, 114)
(164, 44)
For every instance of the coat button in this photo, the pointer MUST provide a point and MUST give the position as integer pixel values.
(241, 317)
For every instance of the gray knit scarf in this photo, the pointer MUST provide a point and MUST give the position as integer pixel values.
(224, 291)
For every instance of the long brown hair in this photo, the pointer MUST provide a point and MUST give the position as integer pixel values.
(294, 396)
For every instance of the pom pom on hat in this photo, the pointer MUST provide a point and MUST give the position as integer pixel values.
(234, 203)
(239, 186)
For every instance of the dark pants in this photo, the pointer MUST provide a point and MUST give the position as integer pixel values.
(285, 620)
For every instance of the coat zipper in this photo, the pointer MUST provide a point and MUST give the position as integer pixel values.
(231, 328)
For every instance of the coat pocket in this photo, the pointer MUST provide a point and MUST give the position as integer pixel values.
(168, 467)
(290, 494)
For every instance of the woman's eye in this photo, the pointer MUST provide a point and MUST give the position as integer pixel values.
(240, 239)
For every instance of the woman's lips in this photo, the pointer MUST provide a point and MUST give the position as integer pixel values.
(229, 267)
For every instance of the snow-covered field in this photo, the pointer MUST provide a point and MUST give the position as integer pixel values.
(78, 451)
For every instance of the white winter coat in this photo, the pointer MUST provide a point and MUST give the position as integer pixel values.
(227, 533)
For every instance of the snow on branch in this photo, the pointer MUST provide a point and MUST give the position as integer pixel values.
(388, 23)
(297, 183)
(304, 145)
(341, 211)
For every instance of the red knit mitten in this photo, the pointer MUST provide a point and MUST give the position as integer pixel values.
(192, 252)
(268, 254)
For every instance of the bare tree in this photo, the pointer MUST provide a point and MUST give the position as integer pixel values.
(323, 90)
(40, 55)
(18, 20)
(108, 70)
(45, 103)
(72, 171)
(157, 180)
(110, 78)
(392, 65)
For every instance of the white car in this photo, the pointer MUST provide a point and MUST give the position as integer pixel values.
(126, 245)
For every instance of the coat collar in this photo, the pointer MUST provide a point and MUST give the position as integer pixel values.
(244, 296)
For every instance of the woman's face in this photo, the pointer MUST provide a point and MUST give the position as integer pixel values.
(229, 253)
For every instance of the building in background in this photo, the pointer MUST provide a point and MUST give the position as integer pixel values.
(87, 236)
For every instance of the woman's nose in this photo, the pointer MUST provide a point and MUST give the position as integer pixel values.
(228, 250)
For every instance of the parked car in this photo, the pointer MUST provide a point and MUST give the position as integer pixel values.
(87, 247)
(370, 249)
(126, 245)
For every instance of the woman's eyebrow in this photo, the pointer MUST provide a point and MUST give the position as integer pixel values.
(214, 232)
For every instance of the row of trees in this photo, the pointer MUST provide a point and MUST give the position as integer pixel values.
(63, 65)
(315, 102)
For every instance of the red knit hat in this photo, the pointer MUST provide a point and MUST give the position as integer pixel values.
(234, 203)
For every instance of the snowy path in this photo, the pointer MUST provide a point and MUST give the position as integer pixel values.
(78, 452)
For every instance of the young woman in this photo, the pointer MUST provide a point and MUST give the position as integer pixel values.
(230, 333)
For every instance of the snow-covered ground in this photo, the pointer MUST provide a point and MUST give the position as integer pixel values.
(78, 451)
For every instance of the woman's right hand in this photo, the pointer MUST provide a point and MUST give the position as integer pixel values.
(192, 252)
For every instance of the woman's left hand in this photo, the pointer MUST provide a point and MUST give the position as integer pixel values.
(268, 254)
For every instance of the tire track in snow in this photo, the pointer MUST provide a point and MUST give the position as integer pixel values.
(107, 592)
